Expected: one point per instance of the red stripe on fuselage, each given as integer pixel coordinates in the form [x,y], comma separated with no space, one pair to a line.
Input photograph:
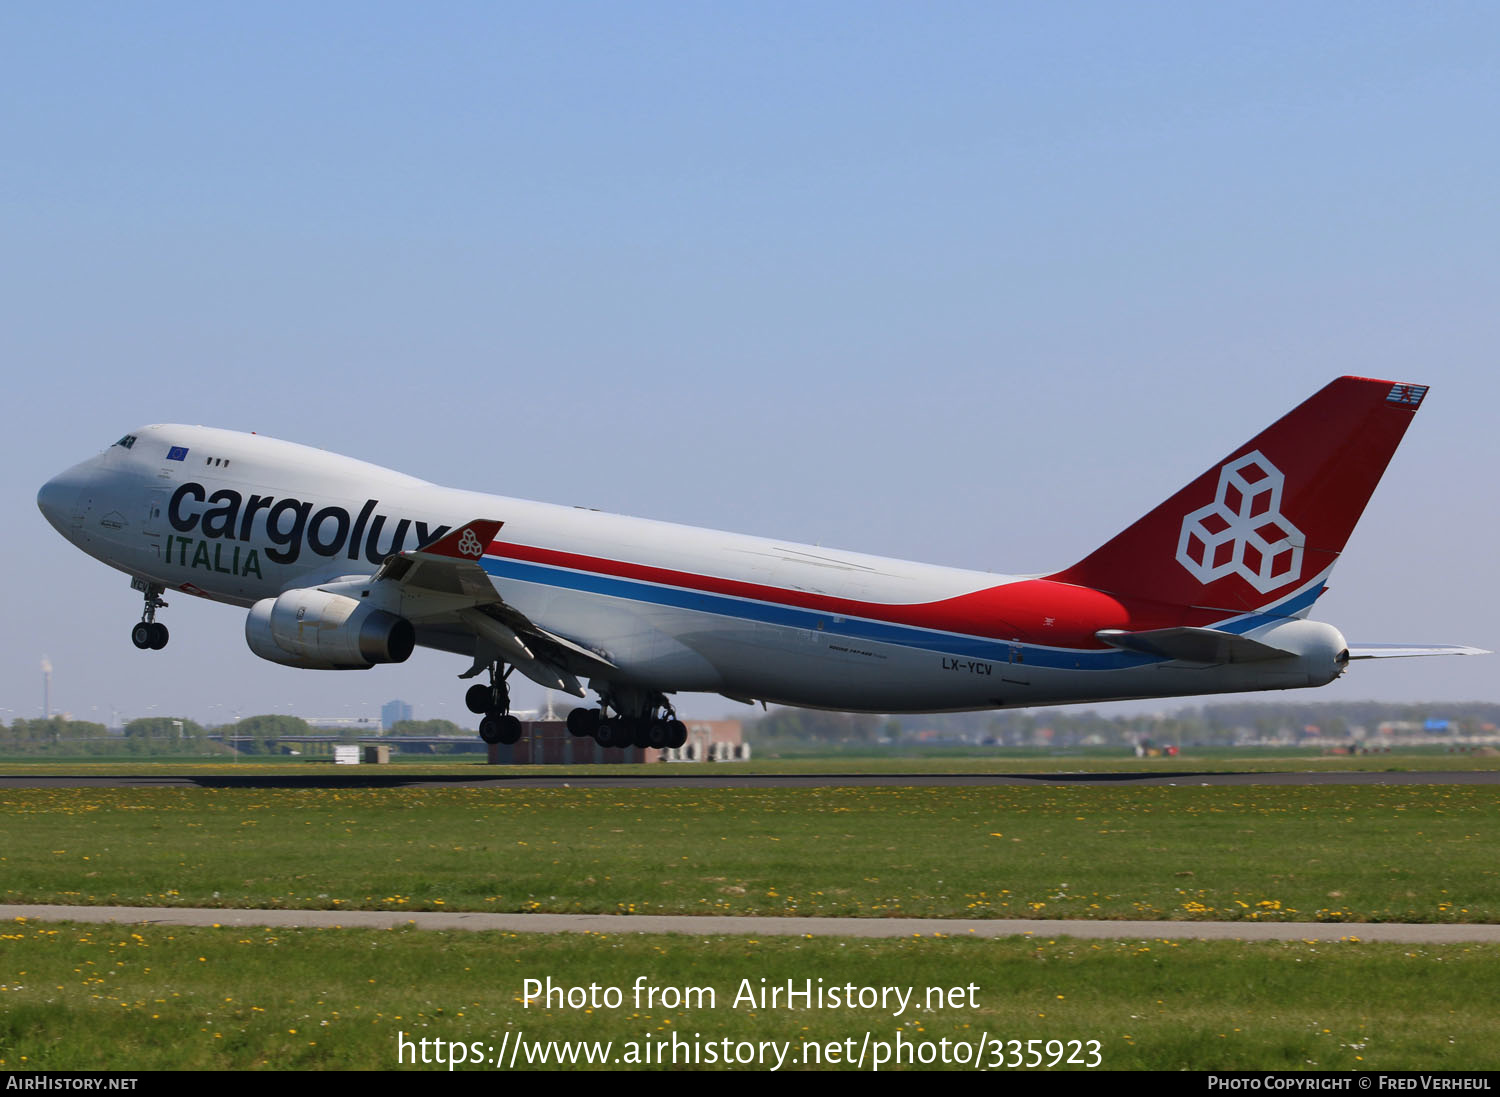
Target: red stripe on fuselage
[1033,611]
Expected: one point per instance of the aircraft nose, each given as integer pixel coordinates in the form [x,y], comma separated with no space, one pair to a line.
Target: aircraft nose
[56,500]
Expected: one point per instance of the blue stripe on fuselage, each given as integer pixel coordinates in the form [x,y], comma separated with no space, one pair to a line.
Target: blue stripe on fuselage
[852,628]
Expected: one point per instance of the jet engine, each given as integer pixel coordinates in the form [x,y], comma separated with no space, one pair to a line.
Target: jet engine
[321,631]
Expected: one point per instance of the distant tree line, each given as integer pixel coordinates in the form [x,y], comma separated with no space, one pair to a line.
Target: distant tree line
[1218,723]
[1222,723]
[42,736]
[148,735]
[177,735]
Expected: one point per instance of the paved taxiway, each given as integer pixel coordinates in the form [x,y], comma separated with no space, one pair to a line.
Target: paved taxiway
[674,779]
[708,926]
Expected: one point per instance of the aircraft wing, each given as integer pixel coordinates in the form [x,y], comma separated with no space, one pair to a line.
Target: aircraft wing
[444,582]
[1399,651]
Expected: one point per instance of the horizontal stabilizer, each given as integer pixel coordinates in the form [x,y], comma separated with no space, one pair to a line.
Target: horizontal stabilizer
[1401,651]
[1193,645]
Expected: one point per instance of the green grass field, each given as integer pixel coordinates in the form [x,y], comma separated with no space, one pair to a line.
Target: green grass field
[1419,853]
[78,997]
[121,998]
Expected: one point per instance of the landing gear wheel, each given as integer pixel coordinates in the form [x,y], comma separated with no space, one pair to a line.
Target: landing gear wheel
[656,735]
[583,721]
[159,635]
[140,635]
[607,734]
[501,728]
[510,730]
[642,734]
[676,734]
[490,730]
[477,699]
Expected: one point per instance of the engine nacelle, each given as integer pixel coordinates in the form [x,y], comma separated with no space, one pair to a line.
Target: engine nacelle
[321,631]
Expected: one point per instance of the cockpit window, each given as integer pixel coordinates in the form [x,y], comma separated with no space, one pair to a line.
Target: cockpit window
[127,441]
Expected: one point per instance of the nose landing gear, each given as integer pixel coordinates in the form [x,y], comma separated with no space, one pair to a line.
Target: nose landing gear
[148,633]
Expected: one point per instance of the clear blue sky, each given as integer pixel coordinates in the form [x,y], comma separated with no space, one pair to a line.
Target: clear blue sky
[968,283]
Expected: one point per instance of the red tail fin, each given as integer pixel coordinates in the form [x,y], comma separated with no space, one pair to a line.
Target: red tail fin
[1271,517]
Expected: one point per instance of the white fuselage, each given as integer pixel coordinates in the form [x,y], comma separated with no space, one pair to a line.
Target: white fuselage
[241,517]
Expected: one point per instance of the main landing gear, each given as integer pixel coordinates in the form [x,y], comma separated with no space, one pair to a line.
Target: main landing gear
[148,633]
[627,716]
[493,700]
[641,718]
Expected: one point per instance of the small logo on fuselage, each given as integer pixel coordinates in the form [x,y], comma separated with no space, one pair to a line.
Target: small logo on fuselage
[1243,532]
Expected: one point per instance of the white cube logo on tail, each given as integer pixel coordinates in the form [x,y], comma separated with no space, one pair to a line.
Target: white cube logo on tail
[469,545]
[1243,532]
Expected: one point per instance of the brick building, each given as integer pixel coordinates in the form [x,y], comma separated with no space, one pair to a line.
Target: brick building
[548,742]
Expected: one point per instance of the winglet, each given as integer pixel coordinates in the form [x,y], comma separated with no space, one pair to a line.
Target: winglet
[468,541]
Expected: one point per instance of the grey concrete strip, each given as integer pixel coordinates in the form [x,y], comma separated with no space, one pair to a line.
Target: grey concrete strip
[707,926]
[658,778]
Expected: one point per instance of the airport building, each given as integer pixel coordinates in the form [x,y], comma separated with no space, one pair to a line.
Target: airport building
[548,742]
